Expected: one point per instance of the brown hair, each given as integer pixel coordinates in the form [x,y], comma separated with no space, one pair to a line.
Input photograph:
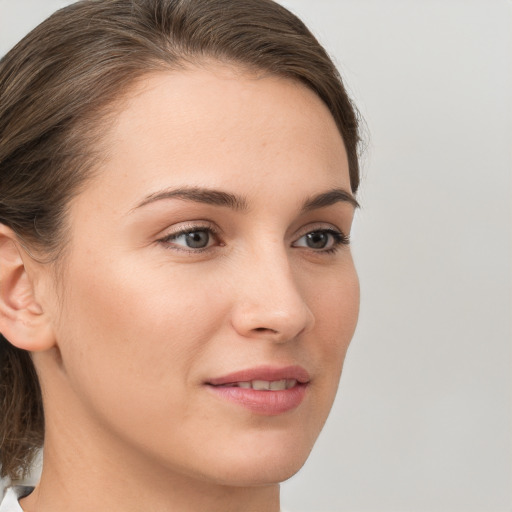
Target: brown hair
[56,87]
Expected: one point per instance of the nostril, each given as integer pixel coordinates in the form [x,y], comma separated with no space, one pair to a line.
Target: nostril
[265,329]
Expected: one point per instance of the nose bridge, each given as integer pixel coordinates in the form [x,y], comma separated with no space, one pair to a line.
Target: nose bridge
[270,302]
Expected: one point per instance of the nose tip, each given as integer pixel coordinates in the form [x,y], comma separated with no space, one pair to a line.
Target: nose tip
[274,311]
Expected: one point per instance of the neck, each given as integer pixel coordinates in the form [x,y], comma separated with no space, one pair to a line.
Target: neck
[79,481]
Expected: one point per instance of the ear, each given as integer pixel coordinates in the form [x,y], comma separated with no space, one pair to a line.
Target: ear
[22,319]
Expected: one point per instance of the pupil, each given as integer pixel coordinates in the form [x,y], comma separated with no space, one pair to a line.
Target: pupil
[197,239]
[317,240]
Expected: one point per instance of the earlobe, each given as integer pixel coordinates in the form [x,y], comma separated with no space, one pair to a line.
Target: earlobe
[22,319]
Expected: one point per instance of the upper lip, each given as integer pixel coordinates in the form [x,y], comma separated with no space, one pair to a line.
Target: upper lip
[267,373]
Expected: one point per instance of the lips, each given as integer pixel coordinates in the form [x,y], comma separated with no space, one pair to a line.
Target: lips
[266,391]
[263,373]
[264,385]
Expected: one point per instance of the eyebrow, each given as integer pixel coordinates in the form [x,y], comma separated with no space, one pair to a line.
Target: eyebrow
[199,195]
[337,195]
[239,203]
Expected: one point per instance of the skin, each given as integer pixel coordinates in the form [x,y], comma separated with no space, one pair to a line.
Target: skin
[138,322]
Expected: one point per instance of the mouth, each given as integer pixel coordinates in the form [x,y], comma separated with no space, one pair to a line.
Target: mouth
[263,385]
[267,391]
[264,378]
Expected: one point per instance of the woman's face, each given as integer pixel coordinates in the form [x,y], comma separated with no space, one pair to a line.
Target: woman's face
[208,259]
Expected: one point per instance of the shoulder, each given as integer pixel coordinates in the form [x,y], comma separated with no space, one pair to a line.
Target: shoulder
[11,495]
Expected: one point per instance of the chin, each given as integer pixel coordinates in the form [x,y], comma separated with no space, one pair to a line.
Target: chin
[269,473]
[261,463]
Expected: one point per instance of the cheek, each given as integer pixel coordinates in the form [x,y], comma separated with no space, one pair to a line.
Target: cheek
[126,335]
[336,313]
[335,306]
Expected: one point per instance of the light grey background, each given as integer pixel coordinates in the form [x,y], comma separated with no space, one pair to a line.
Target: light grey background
[424,414]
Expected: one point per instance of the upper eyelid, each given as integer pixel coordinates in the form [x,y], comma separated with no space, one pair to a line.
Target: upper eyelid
[190,226]
[167,239]
[185,231]
[187,227]
[333,232]
[318,226]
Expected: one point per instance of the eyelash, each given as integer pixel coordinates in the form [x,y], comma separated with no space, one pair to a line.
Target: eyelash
[339,239]
[166,240]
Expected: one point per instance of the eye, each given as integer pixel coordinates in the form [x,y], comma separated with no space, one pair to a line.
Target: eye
[190,239]
[325,240]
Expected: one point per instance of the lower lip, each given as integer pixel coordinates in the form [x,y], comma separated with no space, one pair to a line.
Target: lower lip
[267,403]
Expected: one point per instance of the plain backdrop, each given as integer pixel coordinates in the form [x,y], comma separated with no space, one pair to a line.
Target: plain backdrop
[423,418]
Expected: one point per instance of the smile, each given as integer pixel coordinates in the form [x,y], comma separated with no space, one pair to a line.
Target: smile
[264,385]
[266,391]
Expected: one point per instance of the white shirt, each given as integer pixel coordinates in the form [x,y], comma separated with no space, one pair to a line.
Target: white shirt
[12,494]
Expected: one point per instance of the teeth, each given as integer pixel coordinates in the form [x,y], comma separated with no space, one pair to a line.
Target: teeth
[266,385]
[291,383]
[261,385]
[278,385]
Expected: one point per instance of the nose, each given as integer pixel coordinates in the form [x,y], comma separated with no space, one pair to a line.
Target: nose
[269,302]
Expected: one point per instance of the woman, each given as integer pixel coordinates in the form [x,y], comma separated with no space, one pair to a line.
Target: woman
[177,290]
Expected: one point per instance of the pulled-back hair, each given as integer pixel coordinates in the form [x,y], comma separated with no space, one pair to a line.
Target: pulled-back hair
[57,89]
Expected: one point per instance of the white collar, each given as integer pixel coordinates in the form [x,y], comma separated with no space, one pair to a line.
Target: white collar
[12,494]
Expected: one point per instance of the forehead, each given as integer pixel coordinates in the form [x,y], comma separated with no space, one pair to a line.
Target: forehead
[223,127]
